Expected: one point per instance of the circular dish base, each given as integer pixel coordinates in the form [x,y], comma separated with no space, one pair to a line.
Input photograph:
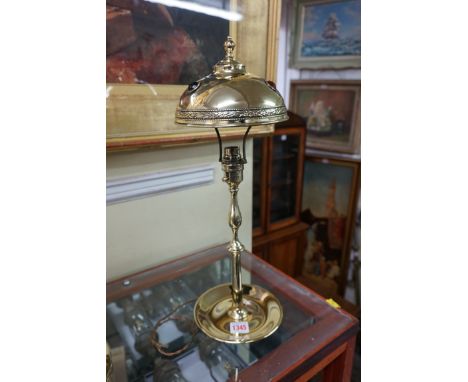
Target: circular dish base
[213,314]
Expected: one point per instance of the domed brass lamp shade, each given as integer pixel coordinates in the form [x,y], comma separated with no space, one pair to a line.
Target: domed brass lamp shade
[231,97]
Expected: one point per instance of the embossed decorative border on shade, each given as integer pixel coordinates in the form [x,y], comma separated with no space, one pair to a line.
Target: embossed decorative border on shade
[232,117]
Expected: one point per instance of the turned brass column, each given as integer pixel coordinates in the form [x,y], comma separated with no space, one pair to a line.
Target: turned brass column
[233,167]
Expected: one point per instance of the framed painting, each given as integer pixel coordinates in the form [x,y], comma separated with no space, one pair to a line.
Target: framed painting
[154,49]
[331,110]
[328,206]
[327,34]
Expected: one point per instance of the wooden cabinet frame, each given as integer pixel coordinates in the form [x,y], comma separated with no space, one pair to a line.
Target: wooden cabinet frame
[269,236]
[266,173]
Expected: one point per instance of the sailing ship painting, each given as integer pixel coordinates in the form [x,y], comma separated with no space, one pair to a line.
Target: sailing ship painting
[331,29]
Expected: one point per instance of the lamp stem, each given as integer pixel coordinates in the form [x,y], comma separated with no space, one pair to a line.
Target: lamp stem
[235,247]
[233,167]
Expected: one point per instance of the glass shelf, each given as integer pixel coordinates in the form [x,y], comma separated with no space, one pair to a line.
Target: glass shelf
[257,181]
[284,176]
[131,319]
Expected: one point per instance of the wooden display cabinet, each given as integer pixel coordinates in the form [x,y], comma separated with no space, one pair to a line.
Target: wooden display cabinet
[315,340]
[278,233]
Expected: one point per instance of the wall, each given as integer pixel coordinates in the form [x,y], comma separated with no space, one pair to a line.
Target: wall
[152,230]
[286,74]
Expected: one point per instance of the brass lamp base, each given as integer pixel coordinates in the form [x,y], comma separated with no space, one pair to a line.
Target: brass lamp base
[257,317]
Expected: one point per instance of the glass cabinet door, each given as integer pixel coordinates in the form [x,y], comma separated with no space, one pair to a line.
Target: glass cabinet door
[284,175]
[259,166]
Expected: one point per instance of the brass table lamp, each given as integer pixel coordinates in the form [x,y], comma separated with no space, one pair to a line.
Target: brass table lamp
[231,97]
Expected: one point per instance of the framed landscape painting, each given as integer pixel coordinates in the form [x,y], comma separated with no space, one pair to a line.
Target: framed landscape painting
[327,34]
[331,110]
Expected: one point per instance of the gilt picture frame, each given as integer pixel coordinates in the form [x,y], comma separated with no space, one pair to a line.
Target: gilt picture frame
[326,34]
[142,115]
[331,111]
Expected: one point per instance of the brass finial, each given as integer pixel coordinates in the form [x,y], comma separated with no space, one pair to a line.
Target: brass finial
[229,46]
[228,66]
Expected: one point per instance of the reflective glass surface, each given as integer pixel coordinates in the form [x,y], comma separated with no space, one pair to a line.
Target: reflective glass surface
[284,176]
[131,319]
[257,181]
